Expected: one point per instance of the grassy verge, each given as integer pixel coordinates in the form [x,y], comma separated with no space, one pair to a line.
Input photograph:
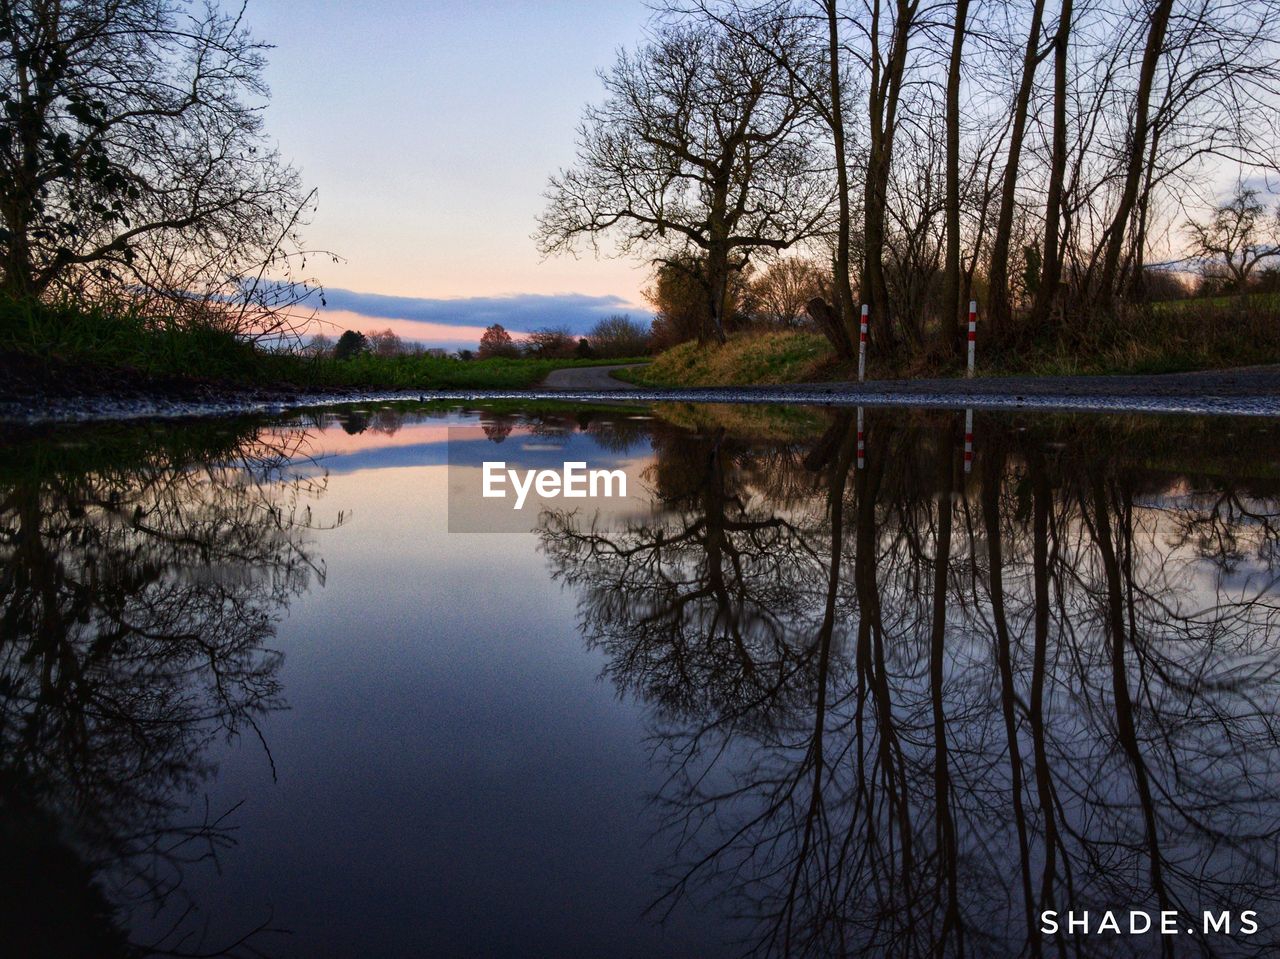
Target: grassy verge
[98,342]
[1171,337]
[1163,338]
[753,358]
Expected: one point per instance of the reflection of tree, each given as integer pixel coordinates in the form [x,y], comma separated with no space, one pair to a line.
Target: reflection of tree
[497,426]
[138,590]
[908,713]
[707,603]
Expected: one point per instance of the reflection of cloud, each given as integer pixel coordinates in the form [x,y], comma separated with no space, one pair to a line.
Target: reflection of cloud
[461,321]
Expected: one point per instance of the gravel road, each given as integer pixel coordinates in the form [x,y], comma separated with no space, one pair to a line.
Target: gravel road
[1250,391]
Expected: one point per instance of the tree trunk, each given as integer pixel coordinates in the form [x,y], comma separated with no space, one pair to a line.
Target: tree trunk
[951,305]
[998,309]
[884,94]
[844,290]
[1136,280]
[1051,261]
[19,273]
[717,288]
[1137,152]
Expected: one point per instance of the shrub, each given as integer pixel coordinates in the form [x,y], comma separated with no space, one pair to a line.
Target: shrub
[551,342]
[619,335]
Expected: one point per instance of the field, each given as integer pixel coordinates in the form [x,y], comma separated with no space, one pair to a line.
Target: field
[99,343]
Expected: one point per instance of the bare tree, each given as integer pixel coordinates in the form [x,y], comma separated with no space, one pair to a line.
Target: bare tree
[1158,24]
[1051,258]
[551,341]
[888,72]
[998,308]
[619,335]
[386,343]
[132,158]
[702,144]
[781,292]
[1237,238]
[951,292]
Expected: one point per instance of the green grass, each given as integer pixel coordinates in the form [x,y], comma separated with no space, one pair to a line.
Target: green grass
[1171,337]
[746,359]
[1168,337]
[1269,302]
[418,372]
[68,333]
[62,334]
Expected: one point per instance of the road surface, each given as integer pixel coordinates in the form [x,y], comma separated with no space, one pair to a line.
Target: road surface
[597,379]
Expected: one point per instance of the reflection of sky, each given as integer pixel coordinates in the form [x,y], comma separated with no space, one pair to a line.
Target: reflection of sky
[454,777]
[335,451]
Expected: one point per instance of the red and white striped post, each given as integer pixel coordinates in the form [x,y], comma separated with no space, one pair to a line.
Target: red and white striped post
[862,443]
[973,332]
[968,438]
[862,344]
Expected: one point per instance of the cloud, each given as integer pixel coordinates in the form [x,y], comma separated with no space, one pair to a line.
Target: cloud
[333,322]
[519,313]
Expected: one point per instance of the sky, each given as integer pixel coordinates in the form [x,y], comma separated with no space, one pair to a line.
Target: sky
[429,130]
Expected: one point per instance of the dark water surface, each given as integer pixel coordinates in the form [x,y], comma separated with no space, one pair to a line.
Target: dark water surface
[794,695]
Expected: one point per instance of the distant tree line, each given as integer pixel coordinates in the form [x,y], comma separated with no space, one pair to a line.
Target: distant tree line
[611,337]
[614,336]
[1061,163]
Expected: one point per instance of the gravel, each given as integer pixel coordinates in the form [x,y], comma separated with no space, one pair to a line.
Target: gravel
[1253,391]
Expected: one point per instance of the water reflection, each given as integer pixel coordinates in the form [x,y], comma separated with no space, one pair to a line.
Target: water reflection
[142,573]
[906,709]
[901,702]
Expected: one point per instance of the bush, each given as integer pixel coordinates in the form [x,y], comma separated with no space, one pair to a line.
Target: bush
[551,342]
[617,336]
[350,344]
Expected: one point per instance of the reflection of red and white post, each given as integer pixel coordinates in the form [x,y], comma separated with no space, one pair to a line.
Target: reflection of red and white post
[973,332]
[862,443]
[862,344]
[968,437]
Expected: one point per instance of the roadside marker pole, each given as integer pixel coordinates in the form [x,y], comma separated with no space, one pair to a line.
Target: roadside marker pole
[968,434]
[973,332]
[862,443]
[862,344]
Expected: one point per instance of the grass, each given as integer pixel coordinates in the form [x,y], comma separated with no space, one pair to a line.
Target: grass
[1162,338]
[746,359]
[93,345]
[1171,337]
[1252,301]
[65,335]
[420,372]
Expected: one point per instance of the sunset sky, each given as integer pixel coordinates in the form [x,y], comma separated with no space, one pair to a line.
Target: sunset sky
[430,130]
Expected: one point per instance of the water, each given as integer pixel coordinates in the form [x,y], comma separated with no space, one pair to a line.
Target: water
[788,696]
